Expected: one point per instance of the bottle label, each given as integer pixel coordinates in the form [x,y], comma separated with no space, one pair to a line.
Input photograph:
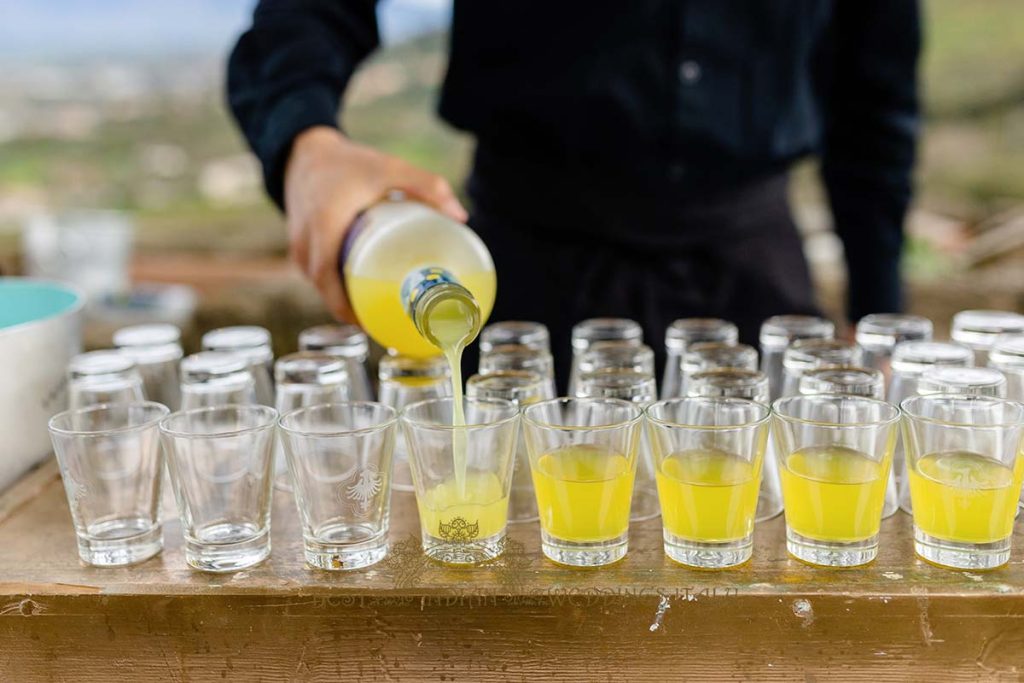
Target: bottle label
[419,282]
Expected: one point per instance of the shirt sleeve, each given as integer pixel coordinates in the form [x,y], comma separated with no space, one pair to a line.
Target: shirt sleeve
[870,132]
[287,73]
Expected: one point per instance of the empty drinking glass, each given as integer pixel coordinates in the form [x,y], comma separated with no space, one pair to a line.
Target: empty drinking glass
[518,332]
[214,378]
[777,333]
[687,331]
[220,462]
[344,341]
[965,470]
[879,333]
[339,455]
[753,386]
[807,354]
[519,358]
[710,355]
[978,330]
[156,351]
[971,381]
[462,475]
[103,377]
[594,330]
[617,355]
[303,379]
[252,343]
[404,381]
[583,454]
[523,389]
[834,455]
[708,453]
[109,457]
[1007,356]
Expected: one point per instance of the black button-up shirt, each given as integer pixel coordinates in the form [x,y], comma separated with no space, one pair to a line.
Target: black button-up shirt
[660,99]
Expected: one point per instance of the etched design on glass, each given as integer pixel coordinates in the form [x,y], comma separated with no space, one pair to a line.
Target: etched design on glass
[458,530]
[367,485]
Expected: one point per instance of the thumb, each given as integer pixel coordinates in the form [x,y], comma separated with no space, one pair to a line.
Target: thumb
[432,189]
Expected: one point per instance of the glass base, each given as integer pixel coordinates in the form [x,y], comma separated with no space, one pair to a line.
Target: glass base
[522,505]
[708,555]
[120,542]
[590,554]
[463,553]
[645,504]
[768,507]
[960,555]
[831,554]
[227,547]
[342,547]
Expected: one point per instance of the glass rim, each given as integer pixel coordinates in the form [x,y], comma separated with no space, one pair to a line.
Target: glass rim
[589,399]
[970,398]
[896,413]
[420,424]
[767,412]
[380,426]
[51,425]
[271,413]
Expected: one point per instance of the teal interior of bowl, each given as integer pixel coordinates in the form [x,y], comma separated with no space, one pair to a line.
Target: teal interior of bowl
[24,301]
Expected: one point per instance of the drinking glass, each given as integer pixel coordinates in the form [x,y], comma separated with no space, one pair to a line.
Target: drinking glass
[156,352]
[404,381]
[253,344]
[807,354]
[1007,356]
[710,355]
[709,453]
[617,355]
[909,361]
[303,379]
[777,333]
[519,358]
[753,386]
[109,457]
[953,380]
[834,455]
[103,377]
[583,454]
[349,343]
[687,331]
[879,333]
[523,389]
[220,462]
[339,455]
[965,472]
[978,330]
[462,475]
[532,335]
[638,388]
[215,378]
[594,330]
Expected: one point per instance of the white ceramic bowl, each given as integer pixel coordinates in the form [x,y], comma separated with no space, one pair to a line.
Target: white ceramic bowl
[40,330]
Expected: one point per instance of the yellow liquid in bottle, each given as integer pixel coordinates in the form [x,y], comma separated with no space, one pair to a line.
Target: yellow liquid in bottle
[583,493]
[382,314]
[965,497]
[478,513]
[708,495]
[833,493]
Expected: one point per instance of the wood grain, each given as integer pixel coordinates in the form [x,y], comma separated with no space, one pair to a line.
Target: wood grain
[520,618]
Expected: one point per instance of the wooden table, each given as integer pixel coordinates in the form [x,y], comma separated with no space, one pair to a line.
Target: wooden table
[523,618]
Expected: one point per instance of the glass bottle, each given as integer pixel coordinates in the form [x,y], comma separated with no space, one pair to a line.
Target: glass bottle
[349,343]
[690,331]
[156,351]
[778,332]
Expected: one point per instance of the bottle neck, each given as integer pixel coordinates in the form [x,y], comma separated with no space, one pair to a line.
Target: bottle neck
[443,311]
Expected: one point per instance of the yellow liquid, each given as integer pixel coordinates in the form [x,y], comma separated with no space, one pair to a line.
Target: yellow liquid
[583,493]
[708,495]
[483,510]
[833,493]
[380,311]
[965,497]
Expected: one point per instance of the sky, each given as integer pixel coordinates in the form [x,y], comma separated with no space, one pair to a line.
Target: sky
[37,29]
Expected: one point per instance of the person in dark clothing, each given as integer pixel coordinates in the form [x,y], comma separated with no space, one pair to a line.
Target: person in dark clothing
[631,158]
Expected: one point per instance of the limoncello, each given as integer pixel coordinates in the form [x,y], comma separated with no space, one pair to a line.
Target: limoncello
[583,493]
[965,497]
[480,512]
[400,246]
[708,495]
[833,493]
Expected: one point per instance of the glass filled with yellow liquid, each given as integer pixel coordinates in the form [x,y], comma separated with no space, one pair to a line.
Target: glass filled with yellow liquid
[583,454]
[709,454]
[462,475]
[834,455]
[965,470]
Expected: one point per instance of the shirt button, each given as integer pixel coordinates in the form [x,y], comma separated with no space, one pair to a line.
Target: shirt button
[689,72]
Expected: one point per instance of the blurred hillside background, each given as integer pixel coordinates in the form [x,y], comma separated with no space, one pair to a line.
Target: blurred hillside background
[119,104]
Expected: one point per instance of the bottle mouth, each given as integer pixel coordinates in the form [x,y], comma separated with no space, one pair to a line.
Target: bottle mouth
[448,316]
